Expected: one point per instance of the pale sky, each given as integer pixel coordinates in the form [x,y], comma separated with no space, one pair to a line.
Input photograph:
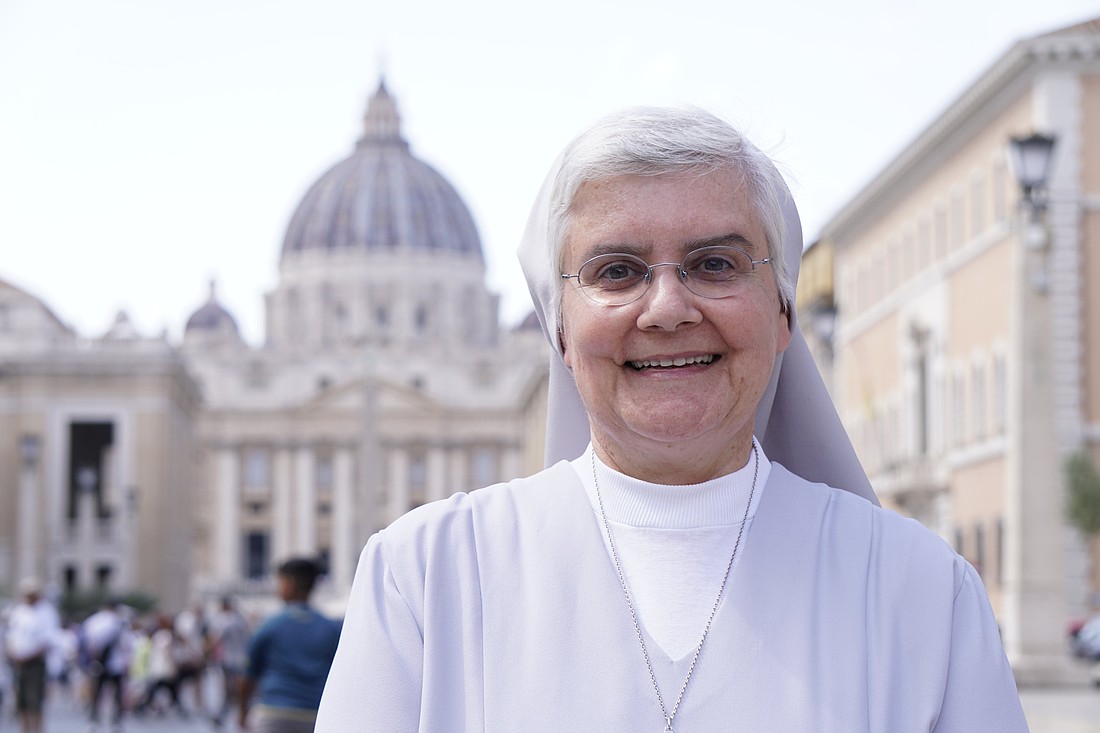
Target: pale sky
[149,146]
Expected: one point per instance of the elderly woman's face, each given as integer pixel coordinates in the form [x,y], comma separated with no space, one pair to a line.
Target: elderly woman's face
[726,346]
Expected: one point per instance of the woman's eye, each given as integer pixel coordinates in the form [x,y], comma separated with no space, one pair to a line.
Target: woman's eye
[716,264]
[617,271]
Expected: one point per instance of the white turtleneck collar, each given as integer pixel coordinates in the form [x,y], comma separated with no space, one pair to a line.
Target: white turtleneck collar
[633,502]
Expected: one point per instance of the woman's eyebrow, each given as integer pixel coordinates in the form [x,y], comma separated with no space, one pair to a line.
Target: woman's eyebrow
[733,239]
[607,248]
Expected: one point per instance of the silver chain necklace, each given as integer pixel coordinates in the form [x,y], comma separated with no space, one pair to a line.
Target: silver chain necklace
[669,717]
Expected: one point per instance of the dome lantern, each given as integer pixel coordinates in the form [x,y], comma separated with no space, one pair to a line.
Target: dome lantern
[381,123]
[382,199]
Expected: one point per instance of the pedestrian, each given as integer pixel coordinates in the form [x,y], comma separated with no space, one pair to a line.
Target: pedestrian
[228,640]
[289,657]
[162,669]
[190,648]
[704,551]
[109,642]
[32,628]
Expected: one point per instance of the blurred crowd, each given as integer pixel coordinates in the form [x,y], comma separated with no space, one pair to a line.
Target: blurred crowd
[119,662]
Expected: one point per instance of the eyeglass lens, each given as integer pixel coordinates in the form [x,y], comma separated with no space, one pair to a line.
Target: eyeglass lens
[710,272]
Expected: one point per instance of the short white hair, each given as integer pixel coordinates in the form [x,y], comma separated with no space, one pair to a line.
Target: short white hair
[655,141]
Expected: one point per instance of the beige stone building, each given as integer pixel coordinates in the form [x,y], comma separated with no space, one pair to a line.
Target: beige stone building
[967,335]
[97,456]
[385,381]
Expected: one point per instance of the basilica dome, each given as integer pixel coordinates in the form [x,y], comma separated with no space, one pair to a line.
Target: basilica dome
[382,199]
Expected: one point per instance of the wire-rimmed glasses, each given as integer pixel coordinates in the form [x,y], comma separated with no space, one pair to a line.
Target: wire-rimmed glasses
[709,272]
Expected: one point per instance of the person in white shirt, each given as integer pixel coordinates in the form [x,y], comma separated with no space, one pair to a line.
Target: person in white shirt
[32,627]
[704,551]
[109,643]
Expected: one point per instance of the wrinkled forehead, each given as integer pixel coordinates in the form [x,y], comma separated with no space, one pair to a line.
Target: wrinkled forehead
[667,215]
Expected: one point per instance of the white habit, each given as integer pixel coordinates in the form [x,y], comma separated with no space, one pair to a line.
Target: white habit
[500,610]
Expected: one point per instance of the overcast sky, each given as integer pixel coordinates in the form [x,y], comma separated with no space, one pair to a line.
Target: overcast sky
[149,146]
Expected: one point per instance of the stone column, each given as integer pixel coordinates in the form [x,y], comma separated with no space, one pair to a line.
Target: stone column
[437,474]
[1034,571]
[344,552]
[281,507]
[305,503]
[397,489]
[459,478]
[227,516]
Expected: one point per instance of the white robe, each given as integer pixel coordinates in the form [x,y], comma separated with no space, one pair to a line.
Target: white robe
[500,610]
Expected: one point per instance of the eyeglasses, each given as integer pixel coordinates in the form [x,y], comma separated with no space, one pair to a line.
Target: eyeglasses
[709,272]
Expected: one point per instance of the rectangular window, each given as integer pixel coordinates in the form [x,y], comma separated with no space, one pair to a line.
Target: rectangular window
[924,243]
[878,274]
[256,555]
[90,487]
[103,578]
[893,266]
[977,204]
[323,470]
[1000,395]
[418,479]
[939,235]
[958,409]
[977,394]
[418,471]
[958,222]
[908,255]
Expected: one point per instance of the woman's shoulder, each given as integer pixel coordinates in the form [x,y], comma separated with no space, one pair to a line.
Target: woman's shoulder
[892,542]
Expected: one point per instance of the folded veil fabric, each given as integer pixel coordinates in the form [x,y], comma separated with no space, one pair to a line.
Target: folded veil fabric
[796,421]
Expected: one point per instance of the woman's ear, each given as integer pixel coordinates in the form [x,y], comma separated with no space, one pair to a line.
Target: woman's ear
[564,351]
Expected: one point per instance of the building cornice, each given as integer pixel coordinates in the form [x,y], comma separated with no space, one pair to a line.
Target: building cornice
[1007,77]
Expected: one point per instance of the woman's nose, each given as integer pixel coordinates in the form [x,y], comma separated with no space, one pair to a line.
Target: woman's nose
[667,303]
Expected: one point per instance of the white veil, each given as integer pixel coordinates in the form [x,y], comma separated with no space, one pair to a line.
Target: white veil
[796,422]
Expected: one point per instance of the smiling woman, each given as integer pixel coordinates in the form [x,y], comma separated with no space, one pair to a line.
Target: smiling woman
[677,424]
[685,562]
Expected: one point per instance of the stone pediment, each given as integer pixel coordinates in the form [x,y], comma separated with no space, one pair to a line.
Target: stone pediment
[389,397]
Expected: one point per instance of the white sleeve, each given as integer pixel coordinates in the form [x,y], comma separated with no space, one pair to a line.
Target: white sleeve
[374,683]
[981,693]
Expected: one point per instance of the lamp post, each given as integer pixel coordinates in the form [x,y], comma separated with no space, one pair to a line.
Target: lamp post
[1034,602]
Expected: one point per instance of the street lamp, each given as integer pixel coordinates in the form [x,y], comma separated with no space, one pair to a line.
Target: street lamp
[1031,157]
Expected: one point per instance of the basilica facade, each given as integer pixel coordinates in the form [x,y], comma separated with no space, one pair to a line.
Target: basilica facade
[188,470]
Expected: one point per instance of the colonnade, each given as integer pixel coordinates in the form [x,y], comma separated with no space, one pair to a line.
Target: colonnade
[409,476]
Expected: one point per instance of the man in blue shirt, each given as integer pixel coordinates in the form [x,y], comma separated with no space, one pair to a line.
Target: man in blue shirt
[289,657]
